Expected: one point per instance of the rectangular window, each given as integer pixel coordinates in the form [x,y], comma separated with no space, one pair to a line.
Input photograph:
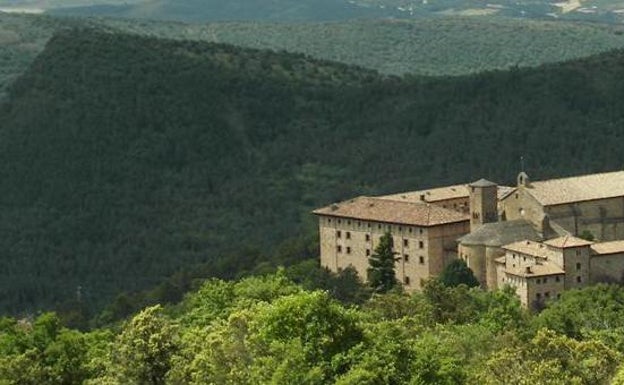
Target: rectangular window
[578,279]
[538,295]
[421,260]
[421,244]
[578,266]
[558,279]
[547,294]
[545,280]
[367,237]
[407,280]
[538,281]
[406,258]
[420,231]
[338,233]
[405,242]
[348,250]
[348,235]
[339,249]
[367,252]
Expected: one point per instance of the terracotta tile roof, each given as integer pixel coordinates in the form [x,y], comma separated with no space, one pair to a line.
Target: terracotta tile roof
[389,211]
[536,249]
[438,194]
[604,248]
[578,188]
[431,195]
[537,270]
[567,241]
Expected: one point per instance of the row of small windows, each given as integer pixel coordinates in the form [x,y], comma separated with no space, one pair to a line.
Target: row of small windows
[367,237]
[545,280]
[379,226]
[347,249]
[406,257]
[538,296]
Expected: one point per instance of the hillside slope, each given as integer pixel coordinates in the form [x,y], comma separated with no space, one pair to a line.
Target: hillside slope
[439,46]
[125,158]
[435,46]
[217,10]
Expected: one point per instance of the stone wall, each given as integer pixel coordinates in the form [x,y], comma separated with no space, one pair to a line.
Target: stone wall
[421,251]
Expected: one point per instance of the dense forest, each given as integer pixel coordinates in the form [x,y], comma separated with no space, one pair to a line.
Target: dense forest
[433,46]
[282,329]
[125,159]
[436,46]
[609,11]
[216,10]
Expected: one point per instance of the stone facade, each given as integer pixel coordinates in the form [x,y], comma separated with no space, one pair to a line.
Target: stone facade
[540,271]
[424,243]
[486,225]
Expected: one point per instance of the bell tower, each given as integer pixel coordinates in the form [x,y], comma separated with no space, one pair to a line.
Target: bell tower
[483,199]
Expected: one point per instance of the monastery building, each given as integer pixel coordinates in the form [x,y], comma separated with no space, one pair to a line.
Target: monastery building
[527,236]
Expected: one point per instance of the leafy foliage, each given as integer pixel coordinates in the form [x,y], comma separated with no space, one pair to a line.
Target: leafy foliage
[266,329]
[381,275]
[457,273]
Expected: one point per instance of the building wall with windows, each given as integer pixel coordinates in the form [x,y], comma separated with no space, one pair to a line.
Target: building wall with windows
[477,222]
[422,248]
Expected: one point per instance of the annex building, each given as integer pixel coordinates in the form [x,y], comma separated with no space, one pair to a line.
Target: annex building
[527,236]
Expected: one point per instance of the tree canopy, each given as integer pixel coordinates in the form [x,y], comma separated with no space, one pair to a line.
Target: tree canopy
[458,273]
[268,330]
[381,273]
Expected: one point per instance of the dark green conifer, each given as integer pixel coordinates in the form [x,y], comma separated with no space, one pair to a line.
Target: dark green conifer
[381,271]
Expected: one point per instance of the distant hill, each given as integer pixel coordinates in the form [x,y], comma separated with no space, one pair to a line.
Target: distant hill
[439,46]
[125,158]
[435,46]
[219,10]
[610,11]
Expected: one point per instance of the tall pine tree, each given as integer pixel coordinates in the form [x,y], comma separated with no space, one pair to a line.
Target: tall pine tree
[381,271]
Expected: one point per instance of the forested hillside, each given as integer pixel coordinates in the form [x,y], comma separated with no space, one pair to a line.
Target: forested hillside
[269,330]
[438,46]
[217,10]
[125,159]
[434,46]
